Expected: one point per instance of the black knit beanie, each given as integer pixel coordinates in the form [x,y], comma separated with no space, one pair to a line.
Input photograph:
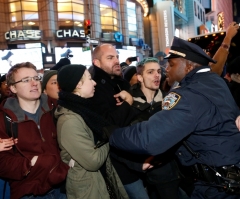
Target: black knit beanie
[129,72]
[69,76]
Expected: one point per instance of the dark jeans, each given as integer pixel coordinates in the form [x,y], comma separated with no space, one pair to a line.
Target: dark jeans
[136,190]
[53,194]
[4,190]
[169,190]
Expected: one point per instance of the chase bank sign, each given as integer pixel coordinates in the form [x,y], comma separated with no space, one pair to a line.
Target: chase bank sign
[23,35]
[112,36]
[61,34]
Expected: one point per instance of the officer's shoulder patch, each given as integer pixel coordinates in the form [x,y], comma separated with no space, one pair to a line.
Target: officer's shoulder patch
[170,100]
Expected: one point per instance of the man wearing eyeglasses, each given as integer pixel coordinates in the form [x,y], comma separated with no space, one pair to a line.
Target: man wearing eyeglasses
[33,166]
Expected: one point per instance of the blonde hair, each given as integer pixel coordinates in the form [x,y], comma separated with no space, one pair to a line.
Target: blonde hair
[81,80]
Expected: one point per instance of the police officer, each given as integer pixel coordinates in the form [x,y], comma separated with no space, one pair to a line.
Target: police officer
[200,116]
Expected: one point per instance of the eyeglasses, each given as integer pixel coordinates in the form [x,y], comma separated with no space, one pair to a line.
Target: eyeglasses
[28,79]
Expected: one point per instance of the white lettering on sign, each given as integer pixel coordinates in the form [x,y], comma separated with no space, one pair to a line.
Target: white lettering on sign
[70,33]
[166,27]
[94,41]
[23,35]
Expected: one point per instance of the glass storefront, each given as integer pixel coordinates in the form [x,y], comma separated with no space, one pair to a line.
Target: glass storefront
[109,15]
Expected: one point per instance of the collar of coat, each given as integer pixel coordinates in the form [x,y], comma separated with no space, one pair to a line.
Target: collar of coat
[100,76]
[138,95]
[12,108]
[194,71]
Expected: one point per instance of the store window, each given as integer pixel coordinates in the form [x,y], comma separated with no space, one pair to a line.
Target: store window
[23,15]
[109,15]
[132,19]
[70,14]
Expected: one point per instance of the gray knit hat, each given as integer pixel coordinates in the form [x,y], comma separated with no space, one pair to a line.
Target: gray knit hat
[46,76]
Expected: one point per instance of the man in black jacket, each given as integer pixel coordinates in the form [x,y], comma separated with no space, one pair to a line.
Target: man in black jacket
[163,179]
[114,104]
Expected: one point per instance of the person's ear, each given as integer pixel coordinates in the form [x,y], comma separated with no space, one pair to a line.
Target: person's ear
[96,62]
[13,89]
[140,78]
[44,91]
[79,85]
[189,66]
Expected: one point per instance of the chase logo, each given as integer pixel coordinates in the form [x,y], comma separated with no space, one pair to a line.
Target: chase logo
[170,101]
[118,37]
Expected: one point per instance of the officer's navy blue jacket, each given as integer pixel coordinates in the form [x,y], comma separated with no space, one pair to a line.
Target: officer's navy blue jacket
[200,111]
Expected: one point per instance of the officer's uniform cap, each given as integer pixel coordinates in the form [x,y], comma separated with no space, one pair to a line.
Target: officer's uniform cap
[187,50]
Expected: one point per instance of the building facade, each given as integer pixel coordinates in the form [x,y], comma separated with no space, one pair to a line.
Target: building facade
[219,14]
[60,24]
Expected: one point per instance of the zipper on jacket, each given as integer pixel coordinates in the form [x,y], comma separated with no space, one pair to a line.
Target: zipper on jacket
[41,133]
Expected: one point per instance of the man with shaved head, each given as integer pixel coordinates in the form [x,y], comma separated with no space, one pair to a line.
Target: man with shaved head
[113,102]
[106,58]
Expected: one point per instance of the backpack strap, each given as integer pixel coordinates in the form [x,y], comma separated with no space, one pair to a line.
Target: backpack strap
[10,127]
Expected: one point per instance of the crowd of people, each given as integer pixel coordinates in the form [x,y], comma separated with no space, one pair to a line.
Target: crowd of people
[115,132]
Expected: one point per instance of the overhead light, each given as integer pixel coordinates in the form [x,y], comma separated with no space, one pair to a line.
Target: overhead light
[31,23]
[67,21]
[214,35]
[144,5]
[80,25]
[77,22]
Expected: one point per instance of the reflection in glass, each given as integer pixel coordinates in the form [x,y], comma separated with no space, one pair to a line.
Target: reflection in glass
[20,15]
[63,7]
[132,19]
[26,5]
[14,6]
[30,15]
[16,16]
[64,16]
[70,14]
[109,15]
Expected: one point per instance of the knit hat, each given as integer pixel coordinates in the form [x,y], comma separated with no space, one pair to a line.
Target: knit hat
[3,78]
[69,76]
[46,76]
[129,72]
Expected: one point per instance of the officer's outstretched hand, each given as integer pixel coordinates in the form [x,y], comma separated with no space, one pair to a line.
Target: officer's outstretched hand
[147,163]
[238,122]
[123,96]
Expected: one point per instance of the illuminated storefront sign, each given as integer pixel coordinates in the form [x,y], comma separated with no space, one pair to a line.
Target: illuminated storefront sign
[112,36]
[165,18]
[220,22]
[165,21]
[61,34]
[23,35]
